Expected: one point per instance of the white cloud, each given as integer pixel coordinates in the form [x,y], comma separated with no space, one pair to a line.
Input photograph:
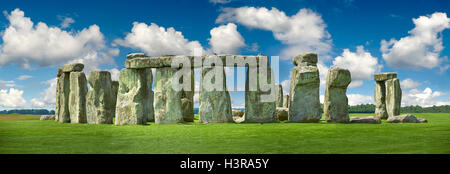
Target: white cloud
[220,1]
[66,22]
[361,64]
[286,85]
[12,98]
[409,83]
[47,97]
[356,99]
[23,77]
[115,74]
[302,32]
[421,49]
[423,98]
[7,84]
[156,40]
[225,39]
[26,44]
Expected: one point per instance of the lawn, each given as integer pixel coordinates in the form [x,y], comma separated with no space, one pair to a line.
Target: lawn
[28,134]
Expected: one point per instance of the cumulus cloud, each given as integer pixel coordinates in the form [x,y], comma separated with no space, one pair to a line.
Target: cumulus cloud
[225,39]
[302,32]
[12,98]
[356,99]
[425,98]
[409,83]
[156,40]
[66,21]
[422,48]
[47,98]
[361,64]
[25,44]
[23,77]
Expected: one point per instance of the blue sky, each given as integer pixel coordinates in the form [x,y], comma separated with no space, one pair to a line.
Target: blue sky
[347,33]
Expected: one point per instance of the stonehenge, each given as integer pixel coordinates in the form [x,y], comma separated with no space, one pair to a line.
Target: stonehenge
[167,96]
[336,103]
[304,103]
[387,95]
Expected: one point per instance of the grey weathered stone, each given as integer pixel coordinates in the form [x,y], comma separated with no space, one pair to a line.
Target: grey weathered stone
[137,55]
[393,97]
[422,120]
[407,118]
[47,117]
[365,119]
[286,101]
[282,114]
[114,89]
[99,98]
[279,102]
[239,119]
[150,95]
[237,113]
[64,92]
[384,76]
[304,105]
[74,67]
[380,100]
[336,102]
[307,59]
[77,97]
[215,105]
[131,97]
[187,101]
[257,110]
[167,101]
[58,93]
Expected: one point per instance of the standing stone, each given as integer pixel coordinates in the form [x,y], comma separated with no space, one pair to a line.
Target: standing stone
[215,105]
[99,98]
[286,101]
[336,102]
[58,93]
[149,99]
[167,101]
[131,97]
[187,101]
[279,102]
[255,109]
[77,97]
[380,100]
[304,105]
[114,89]
[393,97]
[64,91]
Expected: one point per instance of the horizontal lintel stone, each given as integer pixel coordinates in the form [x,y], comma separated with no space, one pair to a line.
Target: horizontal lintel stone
[384,76]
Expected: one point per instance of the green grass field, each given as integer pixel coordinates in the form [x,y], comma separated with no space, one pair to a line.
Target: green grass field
[27,134]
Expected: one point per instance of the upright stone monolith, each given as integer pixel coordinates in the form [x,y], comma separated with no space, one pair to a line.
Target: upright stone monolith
[286,101]
[64,92]
[77,97]
[167,101]
[393,97]
[380,100]
[304,105]
[114,89]
[336,101]
[58,93]
[99,98]
[256,109]
[150,95]
[131,97]
[187,101]
[279,102]
[215,104]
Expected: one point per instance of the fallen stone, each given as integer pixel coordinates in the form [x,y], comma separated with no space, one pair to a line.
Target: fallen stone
[380,100]
[307,59]
[99,98]
[393,97]
[215,105]
[74,67]
[77,97]
[279,102]
[304,105]
[384,76]
[239,119]
[365,119]
[47,117]
[167,101]
[336,101]
[286,101]
[407,118]
[422,120]
[237,113]
[131,97]
[282,114]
